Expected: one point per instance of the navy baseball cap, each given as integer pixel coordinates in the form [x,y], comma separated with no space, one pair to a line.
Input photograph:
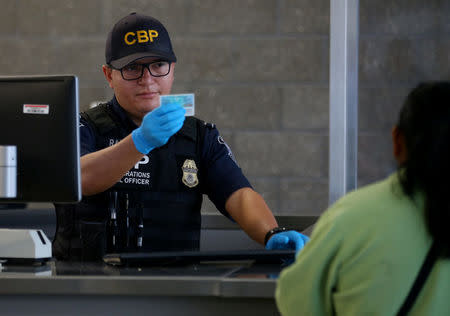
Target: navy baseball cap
[137,36]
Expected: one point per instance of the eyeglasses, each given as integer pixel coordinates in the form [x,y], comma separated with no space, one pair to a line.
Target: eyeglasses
[136,71]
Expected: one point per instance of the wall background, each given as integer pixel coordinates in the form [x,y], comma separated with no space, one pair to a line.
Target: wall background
[259,69]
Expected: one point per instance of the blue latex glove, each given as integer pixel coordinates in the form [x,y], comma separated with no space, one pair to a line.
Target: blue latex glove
[158,126]
[290,239]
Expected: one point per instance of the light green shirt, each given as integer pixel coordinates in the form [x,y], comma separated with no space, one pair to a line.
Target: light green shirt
[363,257]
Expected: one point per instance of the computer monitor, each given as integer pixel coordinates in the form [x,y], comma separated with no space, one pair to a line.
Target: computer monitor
[39,115]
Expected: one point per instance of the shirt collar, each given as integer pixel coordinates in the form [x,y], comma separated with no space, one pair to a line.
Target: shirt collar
[122,115]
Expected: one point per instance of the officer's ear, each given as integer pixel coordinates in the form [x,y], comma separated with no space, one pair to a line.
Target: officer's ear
[172,69]
[107,71]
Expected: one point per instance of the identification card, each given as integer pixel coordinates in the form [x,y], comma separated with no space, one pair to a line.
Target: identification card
[186,100]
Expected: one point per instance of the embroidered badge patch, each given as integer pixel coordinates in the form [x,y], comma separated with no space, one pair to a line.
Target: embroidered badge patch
[190,170]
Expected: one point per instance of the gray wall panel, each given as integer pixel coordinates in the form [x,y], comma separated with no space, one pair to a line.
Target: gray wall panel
[260,72]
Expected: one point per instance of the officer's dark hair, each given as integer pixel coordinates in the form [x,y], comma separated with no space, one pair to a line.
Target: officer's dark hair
[425,123]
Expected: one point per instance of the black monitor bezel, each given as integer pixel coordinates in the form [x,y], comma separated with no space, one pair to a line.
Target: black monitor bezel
[70,86]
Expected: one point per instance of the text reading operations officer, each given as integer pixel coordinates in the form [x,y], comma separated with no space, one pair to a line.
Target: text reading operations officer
[145,168]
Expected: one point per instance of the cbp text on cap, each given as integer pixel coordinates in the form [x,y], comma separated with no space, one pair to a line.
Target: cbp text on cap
[141,36]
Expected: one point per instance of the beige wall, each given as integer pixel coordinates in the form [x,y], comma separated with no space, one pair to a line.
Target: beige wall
[259,69]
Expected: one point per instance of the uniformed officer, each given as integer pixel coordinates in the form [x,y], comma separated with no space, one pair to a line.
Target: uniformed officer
[145,168]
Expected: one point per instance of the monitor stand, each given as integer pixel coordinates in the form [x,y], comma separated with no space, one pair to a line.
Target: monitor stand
[24,246]
[18,245]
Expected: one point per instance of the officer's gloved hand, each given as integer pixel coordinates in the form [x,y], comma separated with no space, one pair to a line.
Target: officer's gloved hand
[289,239]
[158,126]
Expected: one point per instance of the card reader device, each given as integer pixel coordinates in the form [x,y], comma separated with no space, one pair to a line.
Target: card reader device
[24,245]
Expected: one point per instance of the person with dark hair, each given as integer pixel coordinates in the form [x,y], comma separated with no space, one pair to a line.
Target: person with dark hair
[146,167]
[384,249]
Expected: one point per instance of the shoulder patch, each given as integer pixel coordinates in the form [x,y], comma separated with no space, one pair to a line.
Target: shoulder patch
[221,141]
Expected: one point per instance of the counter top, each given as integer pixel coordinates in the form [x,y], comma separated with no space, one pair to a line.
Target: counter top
[235,279]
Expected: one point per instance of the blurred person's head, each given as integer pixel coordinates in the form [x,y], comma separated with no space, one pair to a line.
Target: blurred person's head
[422,148]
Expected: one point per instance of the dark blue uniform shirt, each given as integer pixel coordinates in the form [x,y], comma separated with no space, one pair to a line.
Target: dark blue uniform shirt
[221,174]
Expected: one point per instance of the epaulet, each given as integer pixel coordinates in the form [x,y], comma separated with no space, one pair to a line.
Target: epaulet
[100,118]
[209,125]
[192,126]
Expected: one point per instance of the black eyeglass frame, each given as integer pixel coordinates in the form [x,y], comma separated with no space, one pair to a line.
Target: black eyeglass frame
[145,66]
